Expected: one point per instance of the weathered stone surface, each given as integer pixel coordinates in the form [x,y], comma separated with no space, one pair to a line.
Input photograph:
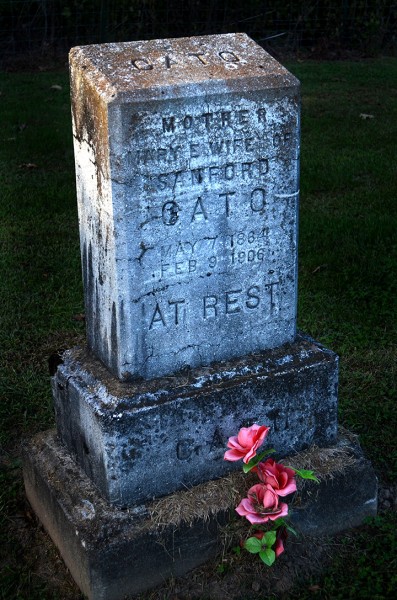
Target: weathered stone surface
[343,500]
[187,176]
[177,427]
[110,553]
[113,554]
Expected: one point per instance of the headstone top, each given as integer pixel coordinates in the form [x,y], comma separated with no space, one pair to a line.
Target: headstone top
[166,68]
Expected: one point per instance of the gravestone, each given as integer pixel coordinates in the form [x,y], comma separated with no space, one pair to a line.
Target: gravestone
[187,155]
[187,168]
[187,161]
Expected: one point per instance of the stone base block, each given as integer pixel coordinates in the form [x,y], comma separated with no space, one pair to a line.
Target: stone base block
[111,553]
[176,428]
[114,553]
[346,495]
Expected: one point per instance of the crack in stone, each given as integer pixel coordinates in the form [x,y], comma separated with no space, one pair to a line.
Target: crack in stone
[144,249]
[155,291]
[148,221]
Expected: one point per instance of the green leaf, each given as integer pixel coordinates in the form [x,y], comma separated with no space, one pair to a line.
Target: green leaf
[253,545]
[236,550]
[268,556]
[257,459]
[291,529]
[269,539]
[280,522]
[306,474]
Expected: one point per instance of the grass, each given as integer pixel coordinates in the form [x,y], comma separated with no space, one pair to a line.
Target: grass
[40,286]
[348,249]
[364,566]
[347,292]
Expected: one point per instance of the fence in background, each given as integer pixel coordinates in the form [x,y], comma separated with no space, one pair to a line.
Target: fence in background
[51,27]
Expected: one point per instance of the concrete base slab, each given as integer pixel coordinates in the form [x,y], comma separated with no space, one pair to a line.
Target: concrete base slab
[348,490]
[110,553]
[114,553]
[180,425]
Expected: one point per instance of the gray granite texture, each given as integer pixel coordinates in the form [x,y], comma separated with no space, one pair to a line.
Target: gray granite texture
[148,439]
[113,554]
[187,168]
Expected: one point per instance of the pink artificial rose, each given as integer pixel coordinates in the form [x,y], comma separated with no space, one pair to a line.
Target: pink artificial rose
[281,538]
[246,443]
[262,505]
[281,478]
